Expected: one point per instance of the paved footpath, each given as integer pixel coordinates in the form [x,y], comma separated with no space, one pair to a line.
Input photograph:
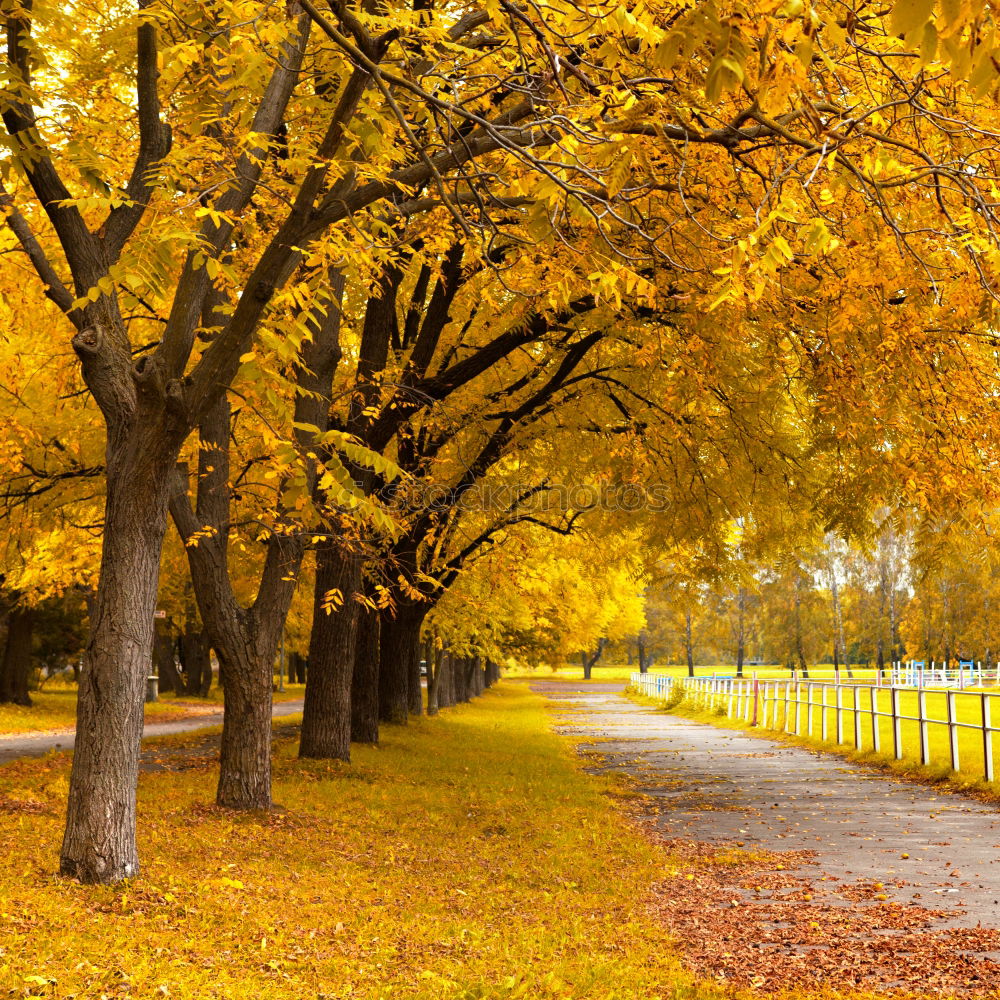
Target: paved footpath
[929,849]
[39,744]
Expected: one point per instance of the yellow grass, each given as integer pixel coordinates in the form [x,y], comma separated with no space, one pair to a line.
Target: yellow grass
[467,857]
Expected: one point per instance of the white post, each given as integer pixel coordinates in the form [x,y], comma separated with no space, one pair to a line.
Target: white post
[839,713]
[857,717]
[876,735]
[953,729]
[925,748]
[987,738]
[897,726]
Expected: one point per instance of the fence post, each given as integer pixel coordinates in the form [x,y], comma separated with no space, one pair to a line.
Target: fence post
[857,717]
[756,698]
[798,707]
[809,709]
[839,715]
[824,729]
[897,725]
[987,739]
[925,749]
[788,698]
[950,697]
[876,735]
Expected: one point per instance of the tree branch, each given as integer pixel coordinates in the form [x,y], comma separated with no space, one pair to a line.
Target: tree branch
[154,141]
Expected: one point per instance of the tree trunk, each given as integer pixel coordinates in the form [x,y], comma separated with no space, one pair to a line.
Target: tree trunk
[299,668]
[446,683]
[196,659]
[435,661]
[459,668]
[15,667]
[99,843]
[397,660]
[894,625]
[416,699]
[164,662]
[326,718]
[364,683]
[840,645]
[688,644]
[800,654]
[245,758]
[245,639]
[741,600]
[590,659]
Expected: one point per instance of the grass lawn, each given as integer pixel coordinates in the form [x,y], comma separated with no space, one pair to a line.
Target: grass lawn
[56,709]
[467,857]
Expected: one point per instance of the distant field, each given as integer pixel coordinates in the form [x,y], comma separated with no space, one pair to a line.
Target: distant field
[623,671]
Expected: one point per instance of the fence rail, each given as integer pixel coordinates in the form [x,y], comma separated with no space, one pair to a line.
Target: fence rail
[936,725]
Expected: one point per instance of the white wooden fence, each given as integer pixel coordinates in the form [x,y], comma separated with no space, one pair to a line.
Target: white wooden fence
[849,713]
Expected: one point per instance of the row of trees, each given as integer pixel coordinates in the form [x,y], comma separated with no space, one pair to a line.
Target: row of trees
[925,593]
[359,298]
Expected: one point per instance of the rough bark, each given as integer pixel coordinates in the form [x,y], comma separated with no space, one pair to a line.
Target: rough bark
[196,659]
[326,718]
[245,756]
[164,662]
[398,657]
[15,665]
[364,682]
[99,843]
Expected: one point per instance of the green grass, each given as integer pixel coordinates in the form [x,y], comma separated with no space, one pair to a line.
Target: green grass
[55,709]
[466,858]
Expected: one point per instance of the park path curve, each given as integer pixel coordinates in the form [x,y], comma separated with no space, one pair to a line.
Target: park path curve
[38,744]
[846,829]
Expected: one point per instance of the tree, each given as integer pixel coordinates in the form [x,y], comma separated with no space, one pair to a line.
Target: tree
[91,205]
[701,141]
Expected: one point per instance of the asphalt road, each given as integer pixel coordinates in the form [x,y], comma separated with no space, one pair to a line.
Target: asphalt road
[845,828]
[38,744]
